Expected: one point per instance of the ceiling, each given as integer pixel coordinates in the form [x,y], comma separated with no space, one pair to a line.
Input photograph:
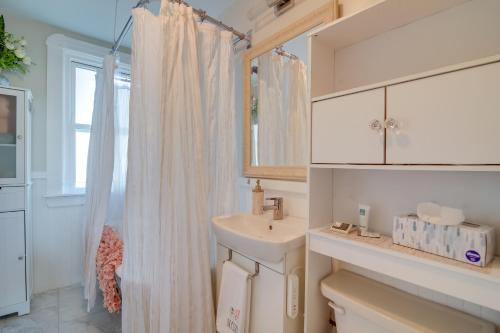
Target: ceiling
[94,18]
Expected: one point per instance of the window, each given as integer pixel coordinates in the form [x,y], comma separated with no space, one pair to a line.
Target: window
[83,85]
[72,67]
[83,89]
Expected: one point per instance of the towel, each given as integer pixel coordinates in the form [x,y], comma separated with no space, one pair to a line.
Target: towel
[233,310]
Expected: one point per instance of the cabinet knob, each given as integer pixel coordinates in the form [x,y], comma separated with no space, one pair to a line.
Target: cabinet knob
[19,137]
[20,258]
[376,125]
[391,123]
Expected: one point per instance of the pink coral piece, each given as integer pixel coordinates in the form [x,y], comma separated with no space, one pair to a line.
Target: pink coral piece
[109,257]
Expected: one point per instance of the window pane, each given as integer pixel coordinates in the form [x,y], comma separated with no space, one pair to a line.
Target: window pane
[84,95]
[81,151]
[8,106]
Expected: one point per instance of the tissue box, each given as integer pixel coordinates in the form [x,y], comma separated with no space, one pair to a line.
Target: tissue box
[467,242]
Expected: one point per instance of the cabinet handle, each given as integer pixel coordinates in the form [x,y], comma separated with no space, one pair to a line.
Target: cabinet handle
[376,125]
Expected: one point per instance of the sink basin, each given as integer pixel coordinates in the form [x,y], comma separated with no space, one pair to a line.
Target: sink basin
[260,236]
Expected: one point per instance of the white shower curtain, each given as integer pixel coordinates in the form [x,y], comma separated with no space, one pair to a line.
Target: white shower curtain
[100,164]
[179,121]
[282,111]
[296,105]
[271,113]
[216,63]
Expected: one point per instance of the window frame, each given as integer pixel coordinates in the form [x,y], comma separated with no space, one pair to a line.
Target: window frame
[63,56]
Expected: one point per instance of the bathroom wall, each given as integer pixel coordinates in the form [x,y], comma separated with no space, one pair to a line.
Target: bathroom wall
[57,228]
[397,192]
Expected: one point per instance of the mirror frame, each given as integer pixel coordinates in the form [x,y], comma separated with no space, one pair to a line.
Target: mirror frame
[321,15]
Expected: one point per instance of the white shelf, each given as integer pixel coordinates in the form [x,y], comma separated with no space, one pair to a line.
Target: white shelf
[480,285]
[413,77]
[381,17]
[13,145]
[408,167]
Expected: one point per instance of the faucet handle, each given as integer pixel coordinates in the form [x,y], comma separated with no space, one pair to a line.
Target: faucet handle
[277,207]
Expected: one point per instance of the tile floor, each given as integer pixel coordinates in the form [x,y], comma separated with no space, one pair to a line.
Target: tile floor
[62,311]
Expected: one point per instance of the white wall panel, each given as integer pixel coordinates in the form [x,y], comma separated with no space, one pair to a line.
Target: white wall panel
[57,242]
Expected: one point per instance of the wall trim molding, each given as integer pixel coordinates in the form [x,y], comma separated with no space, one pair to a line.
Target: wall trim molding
[64,200]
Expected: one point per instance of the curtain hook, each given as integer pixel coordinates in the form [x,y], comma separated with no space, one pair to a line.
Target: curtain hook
[203,15]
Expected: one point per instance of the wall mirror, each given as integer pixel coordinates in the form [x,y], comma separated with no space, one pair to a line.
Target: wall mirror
[277,103]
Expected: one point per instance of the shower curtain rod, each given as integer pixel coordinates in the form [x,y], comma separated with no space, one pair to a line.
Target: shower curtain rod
[281,51]
[201,13]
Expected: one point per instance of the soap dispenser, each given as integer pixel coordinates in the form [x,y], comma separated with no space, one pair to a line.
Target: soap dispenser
[258,199]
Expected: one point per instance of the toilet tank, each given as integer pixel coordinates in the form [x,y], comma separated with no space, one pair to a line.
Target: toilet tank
[364,305]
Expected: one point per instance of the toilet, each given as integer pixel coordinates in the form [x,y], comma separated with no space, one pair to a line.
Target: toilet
[363,305]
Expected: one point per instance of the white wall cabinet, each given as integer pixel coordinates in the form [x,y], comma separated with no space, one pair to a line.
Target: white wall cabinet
[447,117]
[15,201]
[349,129]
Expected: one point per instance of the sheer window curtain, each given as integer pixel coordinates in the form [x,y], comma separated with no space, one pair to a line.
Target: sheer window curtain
[106,167]
[181,164]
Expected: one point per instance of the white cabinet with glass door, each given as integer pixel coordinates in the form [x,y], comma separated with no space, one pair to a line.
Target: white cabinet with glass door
[12,131]
[15,226]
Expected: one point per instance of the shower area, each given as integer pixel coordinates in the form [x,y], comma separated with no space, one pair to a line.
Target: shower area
[158,172]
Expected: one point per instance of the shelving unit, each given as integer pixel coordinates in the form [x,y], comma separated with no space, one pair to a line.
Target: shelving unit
[326,252]
[337,186]
[381,17]
[471,283]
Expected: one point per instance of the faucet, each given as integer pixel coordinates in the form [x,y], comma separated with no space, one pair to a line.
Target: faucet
[276,207]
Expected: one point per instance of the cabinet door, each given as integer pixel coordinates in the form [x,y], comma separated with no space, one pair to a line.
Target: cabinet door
[342,131]
[451,118]
[12,259]
[11,136]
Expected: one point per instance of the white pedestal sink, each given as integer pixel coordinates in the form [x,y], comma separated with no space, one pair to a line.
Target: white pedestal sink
[260,236]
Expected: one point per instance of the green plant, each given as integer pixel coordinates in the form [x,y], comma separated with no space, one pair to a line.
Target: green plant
[13,56]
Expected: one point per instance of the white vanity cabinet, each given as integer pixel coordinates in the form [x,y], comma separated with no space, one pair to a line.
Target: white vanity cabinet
[268,312]
[15,202]
[349,129]
[444,117]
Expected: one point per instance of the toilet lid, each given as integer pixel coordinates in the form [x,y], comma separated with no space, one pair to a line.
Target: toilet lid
[396,310]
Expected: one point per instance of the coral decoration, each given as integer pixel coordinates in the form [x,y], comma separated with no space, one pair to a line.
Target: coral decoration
[109,257]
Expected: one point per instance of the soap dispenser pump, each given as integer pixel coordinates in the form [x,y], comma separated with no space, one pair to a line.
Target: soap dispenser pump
[258,199]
